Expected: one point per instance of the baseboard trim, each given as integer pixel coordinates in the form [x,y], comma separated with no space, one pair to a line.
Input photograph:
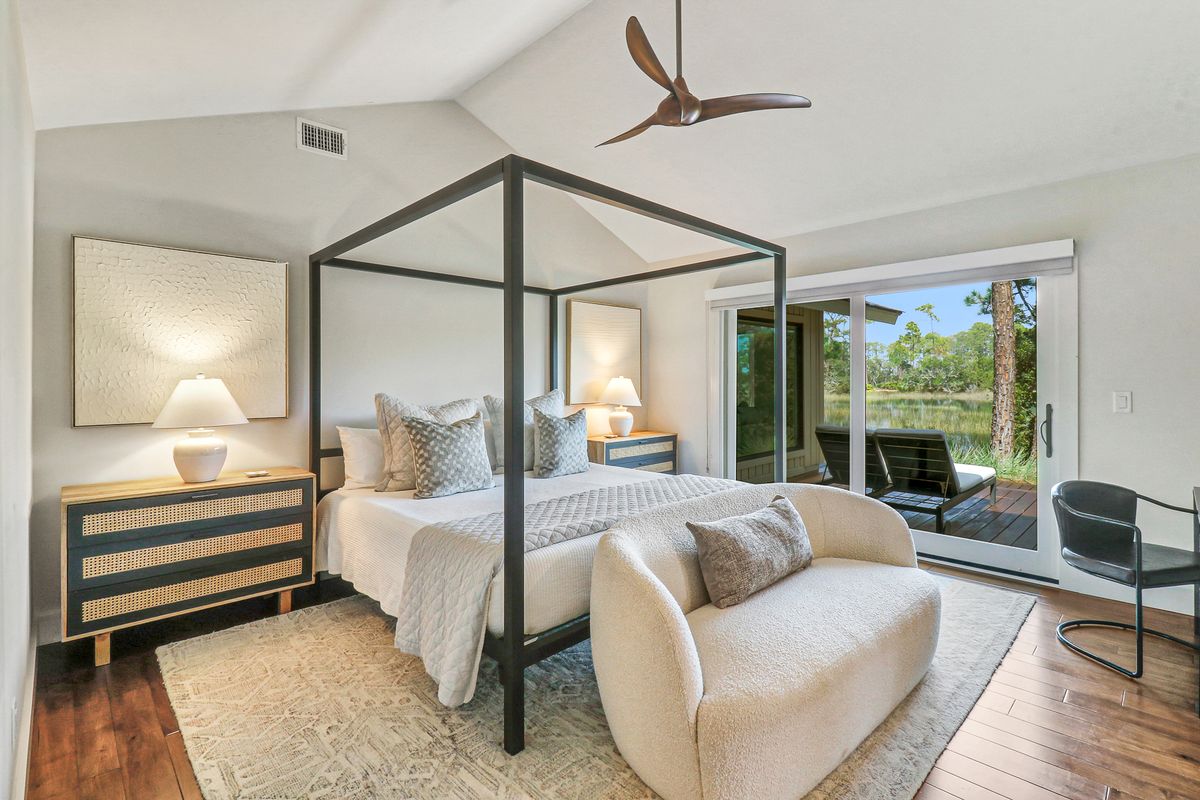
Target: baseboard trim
[986,570]
[20,773]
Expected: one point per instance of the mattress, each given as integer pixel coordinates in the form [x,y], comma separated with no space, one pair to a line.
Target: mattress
[364,536]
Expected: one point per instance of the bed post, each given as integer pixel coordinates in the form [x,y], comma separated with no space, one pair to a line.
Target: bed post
[780,367]
[314,369]
[552,351]
[513,641]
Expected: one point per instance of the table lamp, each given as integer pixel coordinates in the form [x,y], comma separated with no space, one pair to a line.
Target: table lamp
[202,404]
[620,392]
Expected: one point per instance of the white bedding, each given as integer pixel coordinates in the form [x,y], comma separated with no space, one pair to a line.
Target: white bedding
[364,536]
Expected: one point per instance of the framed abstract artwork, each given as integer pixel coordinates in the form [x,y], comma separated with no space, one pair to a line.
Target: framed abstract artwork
[147,316]
[603,341]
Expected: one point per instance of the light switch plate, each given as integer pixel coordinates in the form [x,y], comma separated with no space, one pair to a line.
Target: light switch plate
[1122,402]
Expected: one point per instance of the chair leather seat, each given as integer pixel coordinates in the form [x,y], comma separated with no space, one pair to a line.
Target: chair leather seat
[1161,565]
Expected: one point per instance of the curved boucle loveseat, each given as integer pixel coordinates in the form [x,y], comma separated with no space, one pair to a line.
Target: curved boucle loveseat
[762,699]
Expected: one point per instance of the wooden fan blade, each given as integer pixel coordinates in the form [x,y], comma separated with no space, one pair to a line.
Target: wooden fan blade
[689,104]
[632,132]
[643,54]
[739,103]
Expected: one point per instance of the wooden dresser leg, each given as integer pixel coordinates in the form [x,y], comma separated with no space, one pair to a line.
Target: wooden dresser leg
[285,601]
[103,649]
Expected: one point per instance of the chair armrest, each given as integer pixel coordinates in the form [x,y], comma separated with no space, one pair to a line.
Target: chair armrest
[848,525]
[647,668]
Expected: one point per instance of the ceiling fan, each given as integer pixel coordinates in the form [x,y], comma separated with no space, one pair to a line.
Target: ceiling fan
[681,107]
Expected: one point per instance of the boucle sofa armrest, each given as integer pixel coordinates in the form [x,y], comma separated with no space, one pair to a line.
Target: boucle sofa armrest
[647,668]
[850,525]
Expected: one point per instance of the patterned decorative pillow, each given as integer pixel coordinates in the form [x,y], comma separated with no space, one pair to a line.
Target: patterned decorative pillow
[449,459]
[742,555]
[398,472]
[549,403]
[560,444]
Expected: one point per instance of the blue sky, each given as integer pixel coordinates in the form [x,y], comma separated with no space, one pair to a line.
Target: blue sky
[948,305]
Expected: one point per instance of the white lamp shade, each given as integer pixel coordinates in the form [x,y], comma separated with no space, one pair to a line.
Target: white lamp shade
[620,392]
[200,402]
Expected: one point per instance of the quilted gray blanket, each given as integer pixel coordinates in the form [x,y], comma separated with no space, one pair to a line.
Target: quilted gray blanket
[451,566]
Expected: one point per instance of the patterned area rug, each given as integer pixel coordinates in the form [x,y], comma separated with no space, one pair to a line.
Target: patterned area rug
[318,704]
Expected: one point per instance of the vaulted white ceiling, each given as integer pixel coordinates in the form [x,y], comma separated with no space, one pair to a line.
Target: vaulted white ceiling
[96,61]
[916,103]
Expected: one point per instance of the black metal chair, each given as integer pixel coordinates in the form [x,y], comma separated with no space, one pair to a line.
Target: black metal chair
[1100,536]
[925,477]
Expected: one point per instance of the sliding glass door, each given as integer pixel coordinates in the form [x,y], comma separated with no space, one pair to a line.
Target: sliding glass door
[953,401]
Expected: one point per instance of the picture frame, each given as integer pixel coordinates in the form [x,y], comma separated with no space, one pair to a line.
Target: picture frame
[604,340]
[146,316]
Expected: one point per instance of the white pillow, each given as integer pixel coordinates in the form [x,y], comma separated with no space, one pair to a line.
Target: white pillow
[398,471]
[550,403]
[362,456]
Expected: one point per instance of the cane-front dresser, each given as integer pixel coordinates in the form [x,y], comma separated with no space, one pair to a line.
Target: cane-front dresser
[652,451]
[143,550]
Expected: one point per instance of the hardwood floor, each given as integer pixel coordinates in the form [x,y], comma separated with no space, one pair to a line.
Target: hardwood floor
[1050,724]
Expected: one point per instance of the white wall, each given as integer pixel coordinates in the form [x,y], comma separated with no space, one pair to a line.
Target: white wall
[1138,247]
[16,261]
[238,185]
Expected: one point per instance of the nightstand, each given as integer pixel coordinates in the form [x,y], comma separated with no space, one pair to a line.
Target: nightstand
[138,551]
[652,451]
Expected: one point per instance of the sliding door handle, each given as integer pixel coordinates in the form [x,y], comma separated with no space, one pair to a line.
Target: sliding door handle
[1046,430]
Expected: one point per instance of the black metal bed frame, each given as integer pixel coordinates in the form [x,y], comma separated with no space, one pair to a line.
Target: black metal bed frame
[516,652]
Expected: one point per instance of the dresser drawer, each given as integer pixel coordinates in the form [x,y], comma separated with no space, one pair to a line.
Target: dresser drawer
[127,560]
[91,524]
[116,605]
[624,454]
[649,452]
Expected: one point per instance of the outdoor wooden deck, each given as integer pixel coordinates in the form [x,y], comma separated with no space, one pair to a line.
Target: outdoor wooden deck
[1012,521]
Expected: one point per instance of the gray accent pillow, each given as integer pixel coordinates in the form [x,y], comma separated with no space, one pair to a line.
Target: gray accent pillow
[398,471]
[742,555]
[560,444]
[449,459]
[549,403]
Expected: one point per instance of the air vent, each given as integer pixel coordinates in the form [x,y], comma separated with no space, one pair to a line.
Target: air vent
[317,138]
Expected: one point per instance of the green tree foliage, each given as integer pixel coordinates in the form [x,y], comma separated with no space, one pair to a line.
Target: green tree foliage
[926,361]
[918,361]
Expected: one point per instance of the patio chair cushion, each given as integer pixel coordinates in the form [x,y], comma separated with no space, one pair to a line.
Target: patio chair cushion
[970,476]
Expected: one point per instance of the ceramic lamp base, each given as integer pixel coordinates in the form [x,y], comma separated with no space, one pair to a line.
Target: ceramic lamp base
[620,421]
[200,456]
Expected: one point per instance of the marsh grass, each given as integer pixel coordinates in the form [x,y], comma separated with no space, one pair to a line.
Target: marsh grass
[965,417]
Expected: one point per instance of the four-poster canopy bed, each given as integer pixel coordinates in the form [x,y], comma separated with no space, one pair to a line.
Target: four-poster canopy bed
[515,652]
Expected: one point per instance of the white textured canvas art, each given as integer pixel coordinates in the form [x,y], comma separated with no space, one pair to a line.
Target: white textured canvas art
[603,341]
[146,317]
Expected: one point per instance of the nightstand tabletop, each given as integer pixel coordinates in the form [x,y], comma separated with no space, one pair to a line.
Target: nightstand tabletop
[604,437]
[91,492]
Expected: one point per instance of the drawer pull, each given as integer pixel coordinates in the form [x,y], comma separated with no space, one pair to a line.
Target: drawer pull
[132,602]
[190,511]
[204,495]
[145,557]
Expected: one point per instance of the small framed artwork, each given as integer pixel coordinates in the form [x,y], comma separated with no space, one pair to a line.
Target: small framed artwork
[147,316]
[603,341]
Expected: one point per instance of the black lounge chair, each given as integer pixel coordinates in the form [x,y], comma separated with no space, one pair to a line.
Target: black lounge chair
[835,444]
[924,476]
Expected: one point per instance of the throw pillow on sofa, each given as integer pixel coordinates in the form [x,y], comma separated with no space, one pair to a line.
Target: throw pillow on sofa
[743,555]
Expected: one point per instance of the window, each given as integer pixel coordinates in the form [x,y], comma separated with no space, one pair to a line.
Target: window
[756,385]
